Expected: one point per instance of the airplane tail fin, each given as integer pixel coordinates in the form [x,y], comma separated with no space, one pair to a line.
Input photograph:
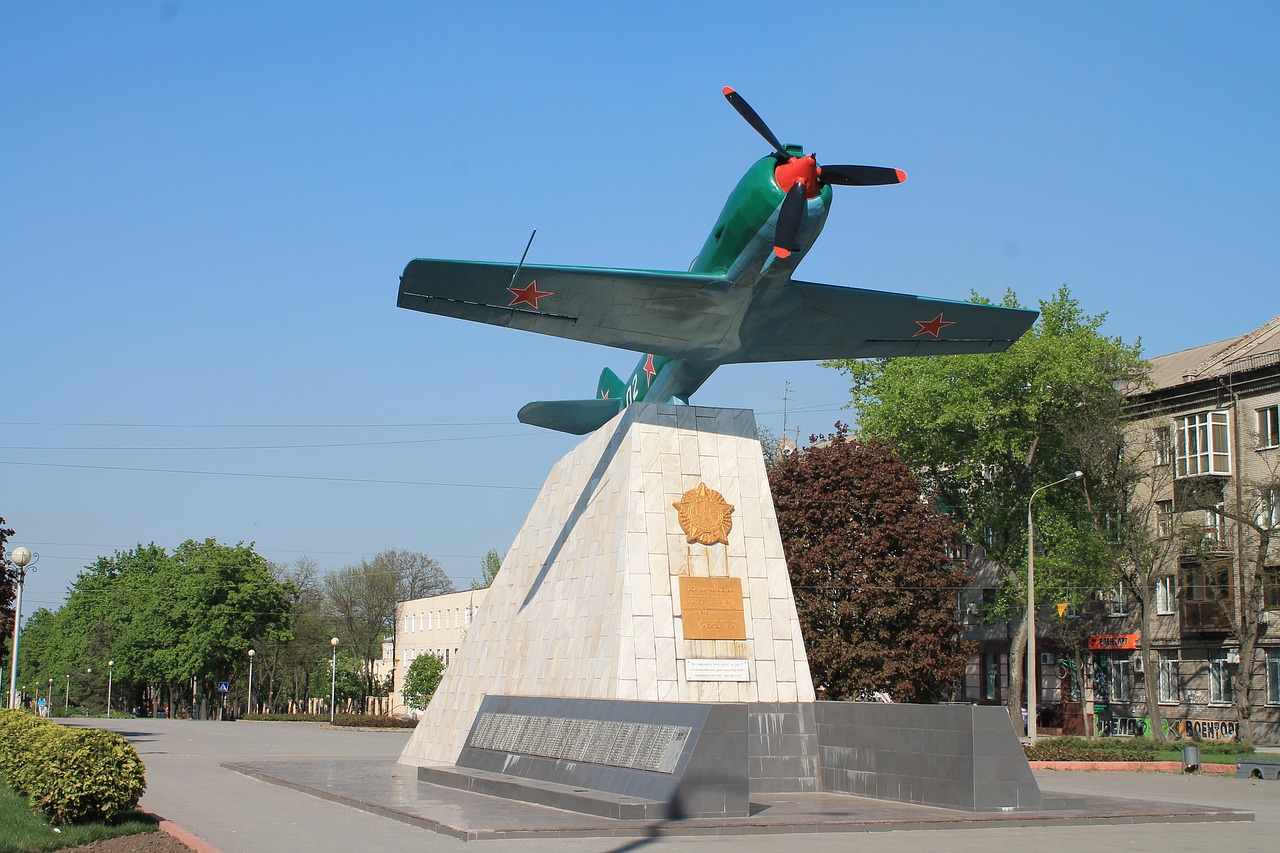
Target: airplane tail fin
[610,387]
[577,417]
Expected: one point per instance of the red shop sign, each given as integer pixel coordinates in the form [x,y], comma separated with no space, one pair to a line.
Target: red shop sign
[1107,642]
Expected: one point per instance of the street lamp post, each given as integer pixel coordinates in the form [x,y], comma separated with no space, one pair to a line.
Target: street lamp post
[110,664]
[88,671]
[333,678]
[66,696]
[248,709]
[20,557]
[48,702]
[1031,604]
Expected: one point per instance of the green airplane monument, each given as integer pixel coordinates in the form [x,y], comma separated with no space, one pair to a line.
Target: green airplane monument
[738,303]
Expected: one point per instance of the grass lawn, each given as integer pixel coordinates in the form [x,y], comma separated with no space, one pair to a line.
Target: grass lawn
[21,830]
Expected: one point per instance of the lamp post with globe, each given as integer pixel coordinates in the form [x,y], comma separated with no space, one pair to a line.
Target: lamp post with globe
[20,557]
[333,679]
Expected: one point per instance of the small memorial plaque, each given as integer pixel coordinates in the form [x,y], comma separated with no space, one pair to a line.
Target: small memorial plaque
[712,609]
[716,669]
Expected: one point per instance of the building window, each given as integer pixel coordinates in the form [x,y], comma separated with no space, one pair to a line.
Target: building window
[1221,678]
[1166,595]
[1170,688]
[1271,587]
[1268,427]
[1164,519]
[1162,444]
[1273,676]
[1268,513]
[1113,677]
[991,676]
[1202,444]
[1215,528]
[1118,601]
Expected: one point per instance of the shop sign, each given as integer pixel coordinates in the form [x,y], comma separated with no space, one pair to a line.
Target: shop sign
[1110,642]
[1132,726]
[1206,729]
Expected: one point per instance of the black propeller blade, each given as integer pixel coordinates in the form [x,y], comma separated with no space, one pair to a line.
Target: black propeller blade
[753,118]
[861,176]
[788,227]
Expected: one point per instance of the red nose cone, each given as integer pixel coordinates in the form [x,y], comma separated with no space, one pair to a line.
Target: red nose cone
[802,170]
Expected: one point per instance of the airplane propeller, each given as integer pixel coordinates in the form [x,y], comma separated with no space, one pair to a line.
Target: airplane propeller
[805,177]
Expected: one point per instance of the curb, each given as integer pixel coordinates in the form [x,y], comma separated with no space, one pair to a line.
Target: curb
[1134,766]
[195,842]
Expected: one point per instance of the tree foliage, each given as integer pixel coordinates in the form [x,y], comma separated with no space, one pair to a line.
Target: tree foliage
[162,619]
[421,680]
[361,601]
[8,584]
[489,565]
[874,583]
[985,431]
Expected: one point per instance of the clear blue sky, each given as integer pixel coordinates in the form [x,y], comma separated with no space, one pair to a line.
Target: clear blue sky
[206,205]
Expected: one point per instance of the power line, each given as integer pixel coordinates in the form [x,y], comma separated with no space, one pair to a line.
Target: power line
[283,446]
[272,476]
[249,426]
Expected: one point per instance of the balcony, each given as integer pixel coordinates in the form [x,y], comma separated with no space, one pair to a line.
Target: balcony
[1205,617]
[1209,540]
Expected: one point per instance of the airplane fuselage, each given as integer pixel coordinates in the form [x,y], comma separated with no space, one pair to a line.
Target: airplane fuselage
[739,248]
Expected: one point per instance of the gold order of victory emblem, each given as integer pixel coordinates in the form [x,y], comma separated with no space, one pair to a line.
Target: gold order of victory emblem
[705,516]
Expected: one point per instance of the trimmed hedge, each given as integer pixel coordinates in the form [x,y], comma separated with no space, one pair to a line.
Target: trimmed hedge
[364,721]
[1103,749]
[72,775]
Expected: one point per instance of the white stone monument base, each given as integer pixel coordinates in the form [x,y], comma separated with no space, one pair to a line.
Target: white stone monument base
[587,602]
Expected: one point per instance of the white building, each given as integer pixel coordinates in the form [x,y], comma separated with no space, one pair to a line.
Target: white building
[434,625]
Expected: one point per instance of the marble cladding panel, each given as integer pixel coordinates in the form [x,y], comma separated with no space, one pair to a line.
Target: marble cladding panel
[589,608]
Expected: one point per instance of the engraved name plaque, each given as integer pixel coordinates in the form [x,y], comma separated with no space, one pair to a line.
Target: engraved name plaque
[712,609]
[637,746]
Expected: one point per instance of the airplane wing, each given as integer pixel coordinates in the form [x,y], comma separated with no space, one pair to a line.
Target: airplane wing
[640,310]
[802,321]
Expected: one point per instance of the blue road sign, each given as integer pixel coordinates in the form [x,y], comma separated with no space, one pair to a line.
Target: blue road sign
[223,687]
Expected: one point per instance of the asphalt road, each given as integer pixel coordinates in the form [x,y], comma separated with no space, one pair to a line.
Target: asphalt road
[238,814]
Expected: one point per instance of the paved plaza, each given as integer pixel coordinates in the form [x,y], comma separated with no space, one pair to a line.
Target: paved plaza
[236,812]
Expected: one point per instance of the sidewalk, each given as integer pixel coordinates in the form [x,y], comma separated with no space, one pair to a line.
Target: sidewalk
[239,814]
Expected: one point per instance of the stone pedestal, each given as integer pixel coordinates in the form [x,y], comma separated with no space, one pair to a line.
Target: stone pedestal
[590,602]
[639,654]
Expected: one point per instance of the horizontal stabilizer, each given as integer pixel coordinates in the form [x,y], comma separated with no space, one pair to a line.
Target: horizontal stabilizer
[577,417]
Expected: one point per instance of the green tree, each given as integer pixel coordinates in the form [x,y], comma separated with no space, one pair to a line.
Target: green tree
[489,565]
[874,582]
[361,600]
[421,680]
[163,620]
[984,431]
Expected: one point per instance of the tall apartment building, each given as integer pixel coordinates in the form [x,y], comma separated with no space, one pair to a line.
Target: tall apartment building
[1208,426]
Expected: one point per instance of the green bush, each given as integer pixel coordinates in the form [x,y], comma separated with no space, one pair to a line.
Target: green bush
[72,775]
[90,775]
[1079,749]
[1223,747]
[367,721]
[21,734]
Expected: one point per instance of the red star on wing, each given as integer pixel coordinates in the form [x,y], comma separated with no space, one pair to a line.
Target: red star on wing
[529,295]
[649,369]
[932,327]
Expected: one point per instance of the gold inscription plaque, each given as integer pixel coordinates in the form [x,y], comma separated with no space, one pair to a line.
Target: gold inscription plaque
[705,516]
[712,609]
